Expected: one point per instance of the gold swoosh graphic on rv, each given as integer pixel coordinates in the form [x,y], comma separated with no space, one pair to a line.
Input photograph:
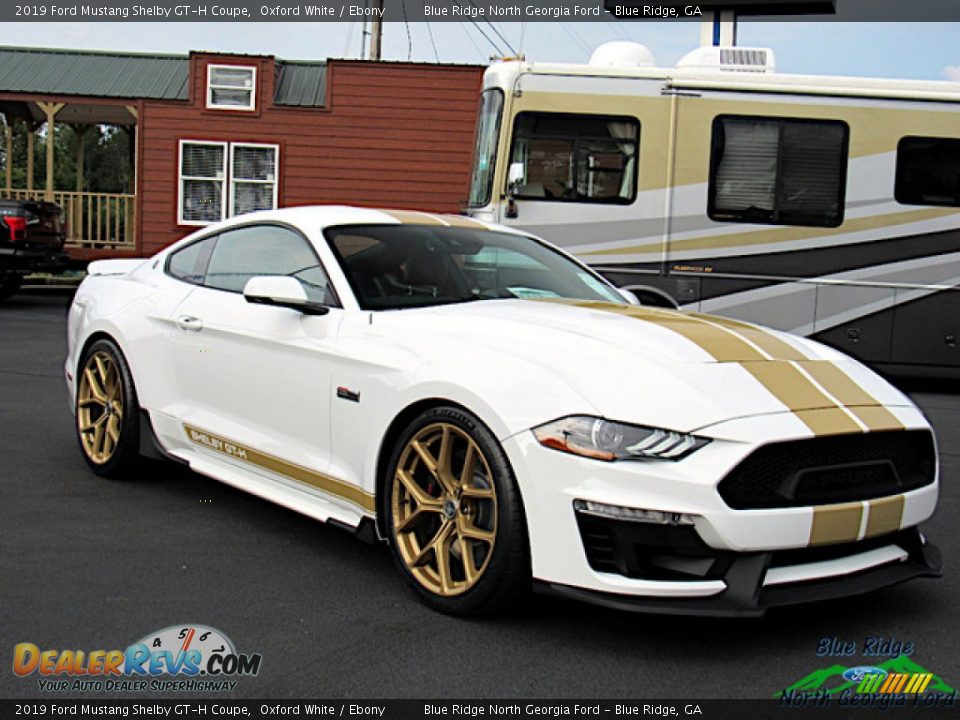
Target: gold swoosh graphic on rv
[820,394]
[333,486]
[780,234]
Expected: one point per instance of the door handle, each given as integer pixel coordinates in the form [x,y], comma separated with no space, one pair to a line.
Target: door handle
[189,323]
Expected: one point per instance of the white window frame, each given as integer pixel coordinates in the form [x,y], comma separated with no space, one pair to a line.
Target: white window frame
[211,87]
[232,181]
[223,178]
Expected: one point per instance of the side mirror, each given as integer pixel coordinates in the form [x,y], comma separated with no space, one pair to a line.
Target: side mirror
[515,175]
[629,296]
[281,291]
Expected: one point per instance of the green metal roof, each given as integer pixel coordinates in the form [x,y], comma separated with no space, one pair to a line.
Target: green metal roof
[98,74]
[301,83]
[46,71]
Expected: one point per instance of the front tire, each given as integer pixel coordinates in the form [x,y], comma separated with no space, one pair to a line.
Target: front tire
[107,411]
[454,515]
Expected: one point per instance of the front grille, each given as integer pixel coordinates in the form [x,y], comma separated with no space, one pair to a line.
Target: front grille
[834,469]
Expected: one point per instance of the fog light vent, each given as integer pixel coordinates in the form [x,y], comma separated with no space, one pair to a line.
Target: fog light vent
[618,512]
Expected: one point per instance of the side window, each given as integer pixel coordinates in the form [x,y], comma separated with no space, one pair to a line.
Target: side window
[190,263]
[928,171]
[576,158]
[778,171]
[245,252]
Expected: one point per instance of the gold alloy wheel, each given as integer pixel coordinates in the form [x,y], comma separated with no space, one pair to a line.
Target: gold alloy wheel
[444,507]
[100,407]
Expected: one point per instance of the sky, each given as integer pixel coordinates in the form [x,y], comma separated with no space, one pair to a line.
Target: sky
[929,51]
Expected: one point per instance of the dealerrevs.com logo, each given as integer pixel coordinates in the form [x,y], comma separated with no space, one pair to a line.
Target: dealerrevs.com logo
[178,658]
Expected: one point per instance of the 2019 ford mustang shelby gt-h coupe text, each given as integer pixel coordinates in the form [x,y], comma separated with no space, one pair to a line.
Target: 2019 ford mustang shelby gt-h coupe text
[502,416]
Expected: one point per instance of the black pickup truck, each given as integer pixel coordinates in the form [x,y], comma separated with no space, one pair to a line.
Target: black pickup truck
[32,233]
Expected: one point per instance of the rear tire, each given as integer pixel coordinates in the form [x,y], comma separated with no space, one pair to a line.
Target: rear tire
[10,286]
[107,411]
[454,515]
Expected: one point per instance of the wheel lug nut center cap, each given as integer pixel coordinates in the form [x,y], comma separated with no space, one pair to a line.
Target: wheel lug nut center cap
[449,509]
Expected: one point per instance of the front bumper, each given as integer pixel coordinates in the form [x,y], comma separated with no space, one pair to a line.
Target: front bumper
[749,591]
[739,561]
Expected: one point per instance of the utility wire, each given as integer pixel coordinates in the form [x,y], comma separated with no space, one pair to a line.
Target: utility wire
[432,43]
[575,38]
[486,37]
[492,27]
[470,38]
[346,45]
[500,35]
[407,26]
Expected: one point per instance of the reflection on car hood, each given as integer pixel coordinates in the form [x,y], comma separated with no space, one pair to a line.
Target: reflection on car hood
[677,369]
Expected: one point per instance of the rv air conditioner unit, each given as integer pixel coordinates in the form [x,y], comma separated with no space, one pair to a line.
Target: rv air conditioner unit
[730,59]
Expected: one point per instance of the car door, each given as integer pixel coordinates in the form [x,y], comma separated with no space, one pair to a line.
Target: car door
[257,378]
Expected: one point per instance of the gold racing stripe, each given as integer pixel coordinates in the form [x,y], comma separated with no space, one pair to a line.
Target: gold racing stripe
[413,217]
[836,523]
[721,345]
[332,486]
[769,343]
[775,364]
[463,221]
[885,515]
[857,400]
[793,389]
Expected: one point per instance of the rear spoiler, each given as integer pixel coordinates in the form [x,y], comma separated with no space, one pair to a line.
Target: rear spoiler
[114,267]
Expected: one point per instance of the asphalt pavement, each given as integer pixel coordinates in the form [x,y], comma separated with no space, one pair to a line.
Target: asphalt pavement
[88,563]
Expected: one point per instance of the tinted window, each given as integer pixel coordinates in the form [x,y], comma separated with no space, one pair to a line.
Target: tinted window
[397,266]
[243,253]
[928,171]
[190,263]
[580,158]
[777,171]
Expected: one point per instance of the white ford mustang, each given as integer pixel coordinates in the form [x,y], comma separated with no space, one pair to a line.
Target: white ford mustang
[502,416]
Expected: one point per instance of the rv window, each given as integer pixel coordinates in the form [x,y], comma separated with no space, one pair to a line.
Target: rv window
[928,171]
[777,171]
[485,150]
[576,158]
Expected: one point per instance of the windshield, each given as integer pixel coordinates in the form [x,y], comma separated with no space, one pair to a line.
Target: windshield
[398,266]
[485,152]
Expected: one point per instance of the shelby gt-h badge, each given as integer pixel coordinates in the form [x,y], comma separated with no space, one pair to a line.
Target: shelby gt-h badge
[499,413]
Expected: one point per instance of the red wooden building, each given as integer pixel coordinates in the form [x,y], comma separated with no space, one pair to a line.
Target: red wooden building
[214,135]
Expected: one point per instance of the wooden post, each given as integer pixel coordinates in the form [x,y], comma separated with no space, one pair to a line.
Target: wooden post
[30,131]
[8,179]
[376,30]
[81,132]
[50,110]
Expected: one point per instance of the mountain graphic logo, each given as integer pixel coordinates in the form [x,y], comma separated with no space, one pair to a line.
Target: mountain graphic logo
[831,680]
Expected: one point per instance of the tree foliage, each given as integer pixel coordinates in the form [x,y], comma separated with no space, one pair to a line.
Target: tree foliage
[106,162]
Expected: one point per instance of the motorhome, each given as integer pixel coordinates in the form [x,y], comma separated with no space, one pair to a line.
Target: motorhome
[826,206]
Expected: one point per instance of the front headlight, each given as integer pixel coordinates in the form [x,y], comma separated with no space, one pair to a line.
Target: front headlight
[606,440]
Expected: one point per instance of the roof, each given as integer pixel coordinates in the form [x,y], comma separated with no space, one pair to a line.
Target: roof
[504,75]
[49,71]
[301,83]
[98,74]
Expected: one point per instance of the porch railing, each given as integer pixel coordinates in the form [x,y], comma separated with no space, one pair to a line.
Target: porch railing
[94,220]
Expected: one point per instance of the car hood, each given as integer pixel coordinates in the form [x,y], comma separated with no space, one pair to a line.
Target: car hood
[678,370]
